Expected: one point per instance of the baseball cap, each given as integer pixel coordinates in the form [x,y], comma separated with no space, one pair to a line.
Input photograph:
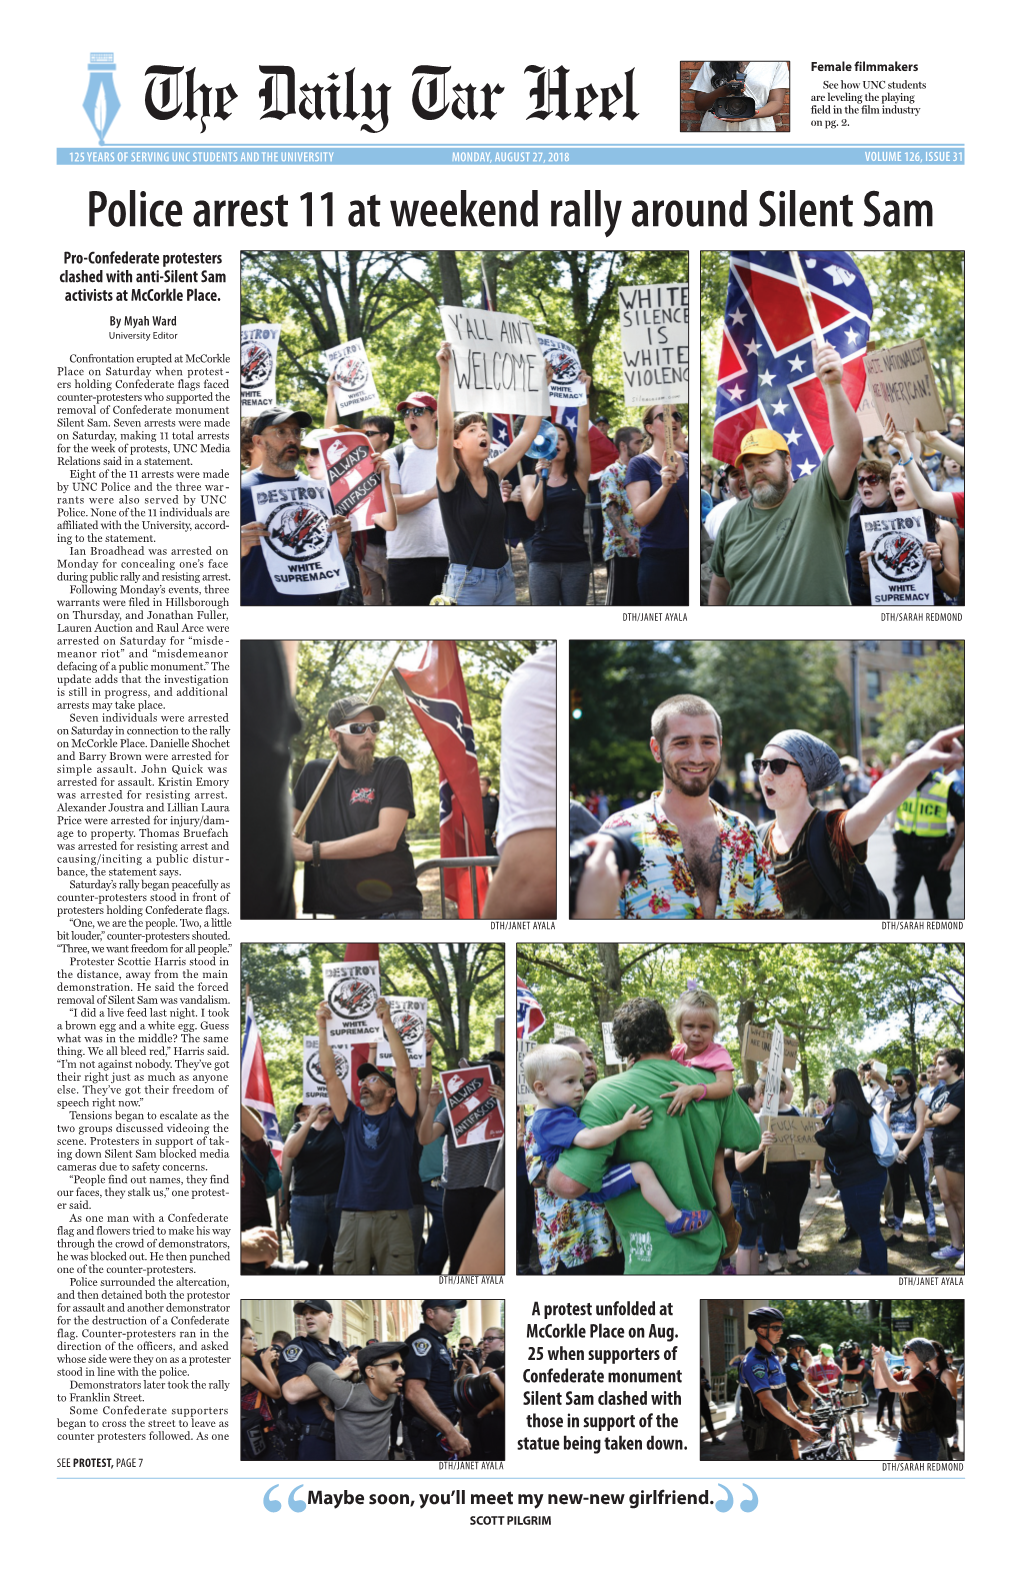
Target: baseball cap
[367,1070]
[313,1305]
[344,707]
[379,1352]
[279,415]
[417,400]
[759,443]
[446,1302]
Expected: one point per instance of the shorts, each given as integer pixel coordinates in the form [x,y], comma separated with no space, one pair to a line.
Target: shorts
[853,1394]
[951,1158]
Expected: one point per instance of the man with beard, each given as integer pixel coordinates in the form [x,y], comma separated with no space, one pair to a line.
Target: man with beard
[698,861]
[736,490]
[872,496]
[361,1412]
[358,862]
[275,450]
[786,545]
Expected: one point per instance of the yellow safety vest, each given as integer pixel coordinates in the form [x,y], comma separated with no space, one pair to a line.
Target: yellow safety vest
[926,813]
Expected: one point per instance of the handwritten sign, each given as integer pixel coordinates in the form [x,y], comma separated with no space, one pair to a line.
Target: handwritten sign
[475,1115]
[301,555]
[498,364]
[795,1138]
[560,1031]
[410,1016]
[653,339]
[756,1044]
[773,1075]
[903,384]
[260,344]
[353,384]
[609,1043]
[900,574]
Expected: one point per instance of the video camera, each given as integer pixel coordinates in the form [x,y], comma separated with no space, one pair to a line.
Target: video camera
[628,857]
[737,105]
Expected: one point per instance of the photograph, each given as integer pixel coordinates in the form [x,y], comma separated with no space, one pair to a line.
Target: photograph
[832,427]
[820,1380]
[735,95]
[372,1092]
[740,1109]
[778,780]
[398,781]
[464,427]
[363,1381]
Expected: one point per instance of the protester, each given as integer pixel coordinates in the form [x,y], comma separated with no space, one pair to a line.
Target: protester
[471,501]
[823,1373]
[362,1411]
[765,81]
[260,1177]
[940,1365]
[854,1371]
[945,1117]
[915,1385]
[490,813]
[416,552]
[258,1385]
[370,544]
[621,543]
[766,1419]
[432,1426]
[787,1188]
[524,884]
[904,1115]
[925,849]
[698,862]
[315,1149]
[315,1436]
[786,544]
[941,549]
[357,846]
[275,450]
[554,499]
[269,720]
[736,490]
[855,1168]
[658,494]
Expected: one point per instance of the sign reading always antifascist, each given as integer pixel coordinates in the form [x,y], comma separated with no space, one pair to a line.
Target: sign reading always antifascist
[653,338]
[903,384]
[355,489]
[260,344]
[301,554]
[353,384]
[475,1115]
[498,365]
[899,573]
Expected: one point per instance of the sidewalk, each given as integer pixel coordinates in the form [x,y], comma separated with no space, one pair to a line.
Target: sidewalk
[869,1445]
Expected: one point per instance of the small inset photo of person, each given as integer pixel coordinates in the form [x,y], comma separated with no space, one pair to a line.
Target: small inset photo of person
[735,95]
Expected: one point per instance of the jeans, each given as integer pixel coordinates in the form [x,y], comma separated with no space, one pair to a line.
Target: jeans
[662,576]
[749,1229]
[559,582]
[862,1207]
[918,1446]
[481,586]
[433,1254]
[313,1218]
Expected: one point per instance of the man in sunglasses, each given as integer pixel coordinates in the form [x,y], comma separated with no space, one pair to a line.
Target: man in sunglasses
[872,496]
[361,1412]
[358,863]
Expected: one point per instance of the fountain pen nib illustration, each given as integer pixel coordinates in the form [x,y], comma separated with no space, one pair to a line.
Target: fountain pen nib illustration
[101,102]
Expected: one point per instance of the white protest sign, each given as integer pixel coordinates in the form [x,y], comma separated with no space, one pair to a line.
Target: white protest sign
[867,413]
[314,1090]
[260,345]
[354,387]
[561,1030]
[653,339]
[498,365]
[523,1093]
[352,991]
[899,573]
[903,384]
[410,1016]
[774,1074]
[300,553]
[566,387]
[608,1043]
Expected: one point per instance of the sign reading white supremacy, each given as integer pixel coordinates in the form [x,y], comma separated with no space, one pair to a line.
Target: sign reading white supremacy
[410,1016]
[352,991]
[899,573]
[313,1091]
[353,384]
[903,384]
[498,365]
[566,388]
[301,555]
[260,345]
[653,339]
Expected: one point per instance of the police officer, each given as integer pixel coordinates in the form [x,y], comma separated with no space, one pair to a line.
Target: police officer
[429,1407]
[315,1439]
[924,846]
[766,1419]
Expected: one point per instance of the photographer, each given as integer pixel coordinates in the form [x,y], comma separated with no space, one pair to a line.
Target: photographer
[259,1385]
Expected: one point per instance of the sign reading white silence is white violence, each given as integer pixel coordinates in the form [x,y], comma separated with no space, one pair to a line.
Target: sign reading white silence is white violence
[653,339]
[899,573]
[498,365]
[260,345]
[301,555]
[353,383]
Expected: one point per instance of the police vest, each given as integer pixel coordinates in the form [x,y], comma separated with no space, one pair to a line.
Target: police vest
[925,814]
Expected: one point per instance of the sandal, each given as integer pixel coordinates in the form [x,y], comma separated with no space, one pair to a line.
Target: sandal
[779,1271]
[802,1264]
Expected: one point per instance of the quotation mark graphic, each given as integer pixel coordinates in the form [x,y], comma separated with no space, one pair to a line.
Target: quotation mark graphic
[293,1502]
[748,1505]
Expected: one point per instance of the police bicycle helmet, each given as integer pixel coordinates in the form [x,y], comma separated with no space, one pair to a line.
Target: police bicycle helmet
[762,1317]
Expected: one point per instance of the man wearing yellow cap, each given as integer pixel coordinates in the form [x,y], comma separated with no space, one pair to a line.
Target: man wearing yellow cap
[786,544]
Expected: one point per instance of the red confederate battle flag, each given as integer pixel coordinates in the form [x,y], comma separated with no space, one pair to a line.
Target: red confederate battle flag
[434,687]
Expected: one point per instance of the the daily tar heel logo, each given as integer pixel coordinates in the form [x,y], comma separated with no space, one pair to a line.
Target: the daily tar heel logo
[101,101]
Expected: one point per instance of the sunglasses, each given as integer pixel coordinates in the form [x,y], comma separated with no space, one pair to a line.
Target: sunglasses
[868,479]
[778,765]
[899,1081]
[367,430]
[676,418]
[391,1365]
[359,729]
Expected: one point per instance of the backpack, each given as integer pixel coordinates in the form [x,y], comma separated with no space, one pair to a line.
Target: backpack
[943,1410]
[882,1142]
[865,901]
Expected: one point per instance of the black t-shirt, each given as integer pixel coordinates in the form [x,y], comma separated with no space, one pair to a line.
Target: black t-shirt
[466,514]
[804,898]
[268,720]
[319,1166]
[350,804]
[559,535]
[948,1095]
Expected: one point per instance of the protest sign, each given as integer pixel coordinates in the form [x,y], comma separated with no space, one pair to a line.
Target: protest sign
[795,1139]
[347,1058]
[653,339]
[259,347]
[410,1016]
[566,387]
[756,1044]
[899,573]
[609,1044]
[355,489]
[523,1093]
[352,991]
[301,555]
[867,413]
[903,384]
[773,1075]
[475,1115]
[497,363]
[353,384]
[560,1030]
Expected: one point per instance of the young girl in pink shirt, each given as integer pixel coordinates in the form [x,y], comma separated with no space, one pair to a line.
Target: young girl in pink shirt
[695,1018]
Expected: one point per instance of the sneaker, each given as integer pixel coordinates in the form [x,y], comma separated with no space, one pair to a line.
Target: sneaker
[948,1254]
[940,1209]
[958,1263]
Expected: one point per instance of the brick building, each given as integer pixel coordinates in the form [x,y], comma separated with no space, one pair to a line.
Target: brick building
[724,1333]
[878,663]
[690,118]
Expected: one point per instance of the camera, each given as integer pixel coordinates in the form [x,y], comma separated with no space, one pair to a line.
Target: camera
[472,1392]
[628,857]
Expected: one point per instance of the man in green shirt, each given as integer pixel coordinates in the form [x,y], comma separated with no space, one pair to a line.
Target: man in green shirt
[680,1150]
[786,545]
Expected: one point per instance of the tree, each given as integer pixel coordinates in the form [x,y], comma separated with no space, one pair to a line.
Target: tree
[928,699]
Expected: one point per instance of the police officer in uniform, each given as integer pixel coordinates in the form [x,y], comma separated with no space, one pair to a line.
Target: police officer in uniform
[430,1412]
[315,1438]
[924,846]
[766,1419]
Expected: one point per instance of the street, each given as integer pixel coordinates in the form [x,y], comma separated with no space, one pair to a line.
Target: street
[869,1445]
[882,866]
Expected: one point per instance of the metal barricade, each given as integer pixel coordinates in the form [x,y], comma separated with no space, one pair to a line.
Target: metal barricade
[450,863]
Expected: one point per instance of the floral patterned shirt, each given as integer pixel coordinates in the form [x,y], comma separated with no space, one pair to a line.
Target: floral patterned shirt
[612,489]
[664,887]
[568,1231]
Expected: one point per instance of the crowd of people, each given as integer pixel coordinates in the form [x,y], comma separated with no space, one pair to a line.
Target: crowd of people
[694,858]
[663,1168]
[308,1397]
[774,532]
[377,1185]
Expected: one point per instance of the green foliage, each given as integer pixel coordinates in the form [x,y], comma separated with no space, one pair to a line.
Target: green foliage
[867,1322]
[917,704]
